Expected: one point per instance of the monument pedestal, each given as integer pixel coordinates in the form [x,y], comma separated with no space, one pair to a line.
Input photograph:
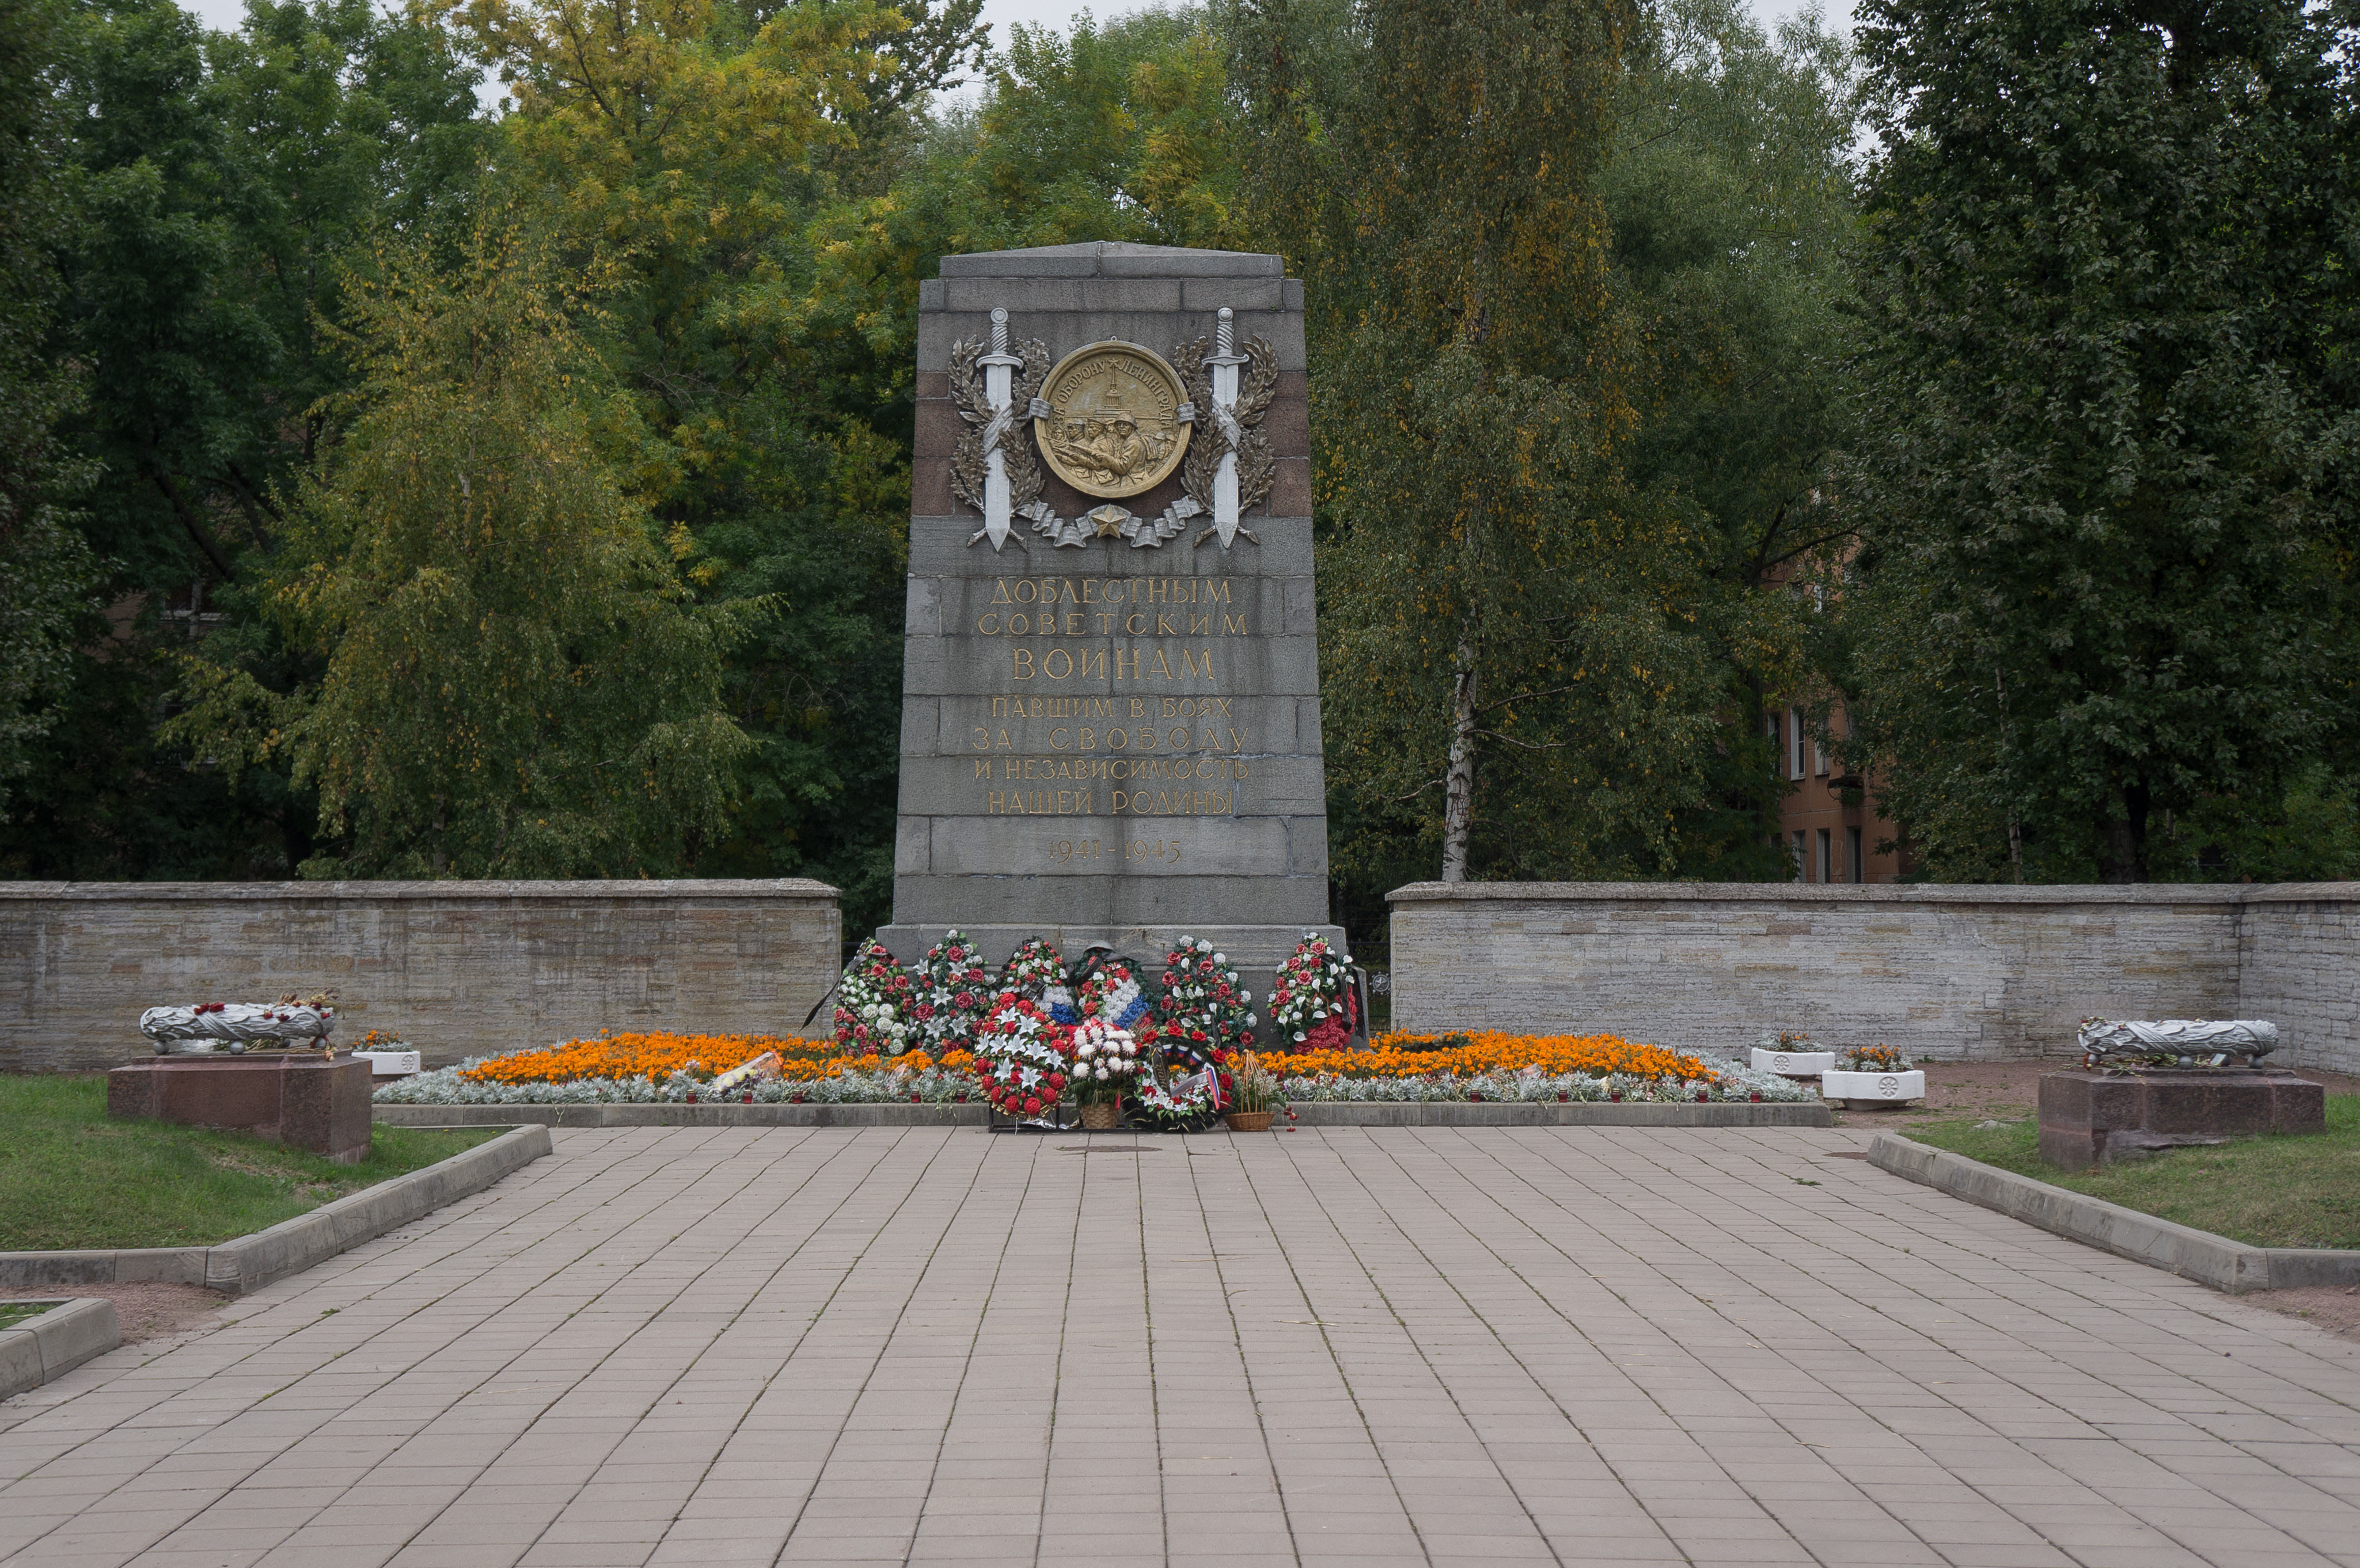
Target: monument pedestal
[301,1101]
[2094,1119]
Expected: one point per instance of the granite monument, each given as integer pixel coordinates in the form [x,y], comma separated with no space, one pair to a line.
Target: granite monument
[1110,697]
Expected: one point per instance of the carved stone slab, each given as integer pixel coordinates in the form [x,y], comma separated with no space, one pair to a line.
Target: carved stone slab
[1111,735]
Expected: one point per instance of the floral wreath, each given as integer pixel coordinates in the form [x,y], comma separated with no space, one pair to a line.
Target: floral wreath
[1020,1057]
[873,1003]
[1037,970]
[1112,994]
[1201,988]
[955,993]
[1312,1002]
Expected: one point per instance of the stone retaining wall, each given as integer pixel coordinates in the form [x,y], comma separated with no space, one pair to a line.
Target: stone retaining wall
[455,968]
[1940,972]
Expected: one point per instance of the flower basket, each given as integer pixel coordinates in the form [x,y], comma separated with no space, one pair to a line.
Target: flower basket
[1104,1116]
[1248,1121]
[1871,1078]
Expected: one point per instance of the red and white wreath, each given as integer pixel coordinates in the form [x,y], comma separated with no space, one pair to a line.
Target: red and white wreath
[1023,1057]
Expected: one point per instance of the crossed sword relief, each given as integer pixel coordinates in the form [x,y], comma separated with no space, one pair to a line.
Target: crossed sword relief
[1001,478]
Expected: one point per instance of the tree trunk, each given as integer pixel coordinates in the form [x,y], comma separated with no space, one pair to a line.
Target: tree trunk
[2126,836]
[1458,780]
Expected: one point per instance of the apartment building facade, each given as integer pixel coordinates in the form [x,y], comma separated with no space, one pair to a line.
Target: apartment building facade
[1828,825]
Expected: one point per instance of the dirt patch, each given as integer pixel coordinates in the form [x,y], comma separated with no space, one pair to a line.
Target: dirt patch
[2009,1091]
[150,1309]
[2335,1308]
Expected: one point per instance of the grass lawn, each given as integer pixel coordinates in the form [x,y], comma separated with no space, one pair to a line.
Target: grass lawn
[2265,1191]
[14,1312]
[70,1178]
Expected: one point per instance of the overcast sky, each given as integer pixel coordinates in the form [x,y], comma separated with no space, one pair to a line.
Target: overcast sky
[226,14]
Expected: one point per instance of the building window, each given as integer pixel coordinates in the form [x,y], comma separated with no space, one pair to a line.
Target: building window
[1826,856]
[1802,867]
[1819,756]
[1794,742]
[1858,867]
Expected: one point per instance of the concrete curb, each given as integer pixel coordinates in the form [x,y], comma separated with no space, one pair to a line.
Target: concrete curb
[1322,1113]
[42,1349]
[249,1262]
[2229,1265]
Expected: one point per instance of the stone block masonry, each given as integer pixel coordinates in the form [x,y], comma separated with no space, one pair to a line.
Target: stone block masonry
[1941,971]
[457,969]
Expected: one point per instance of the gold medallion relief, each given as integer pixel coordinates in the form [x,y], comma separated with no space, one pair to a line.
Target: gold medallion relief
[1113,425]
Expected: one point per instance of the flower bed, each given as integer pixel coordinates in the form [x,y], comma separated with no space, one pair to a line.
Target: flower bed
[659,1068]
[1491,1065]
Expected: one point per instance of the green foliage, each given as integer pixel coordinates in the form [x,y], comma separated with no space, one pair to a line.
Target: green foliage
[2105,411]
[512,684]
[1730,202]
[46,569]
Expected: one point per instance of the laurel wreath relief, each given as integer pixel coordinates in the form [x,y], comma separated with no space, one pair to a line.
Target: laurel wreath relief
[1219,432]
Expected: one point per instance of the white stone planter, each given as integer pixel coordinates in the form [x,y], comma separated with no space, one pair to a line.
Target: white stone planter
[389,1064]
[1867,1090]
[1793,1063]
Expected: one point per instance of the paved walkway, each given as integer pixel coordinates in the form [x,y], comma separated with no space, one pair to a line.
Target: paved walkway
[1348,1348]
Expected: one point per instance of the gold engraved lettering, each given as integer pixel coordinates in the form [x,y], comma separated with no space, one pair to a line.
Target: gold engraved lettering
[1159,667]
[982,740]
[982,764]
[1027,591]
[1216,590]
[1048,664]
[1163,626]
[1116,739]
[1234,626]
[1201,626]
[1126,668]
[1135,625]
[988,625]
[1156,589]
[1139,707]
[1023,663]
[1000,590]
[1188,664]
[1089,740]
[1056,745]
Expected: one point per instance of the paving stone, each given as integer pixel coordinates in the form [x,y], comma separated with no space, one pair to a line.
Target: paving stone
[1353,1346]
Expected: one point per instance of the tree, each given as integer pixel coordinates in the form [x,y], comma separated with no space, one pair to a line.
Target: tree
[46,569]
[514,684]
[1498,640]
[2106,413]
[1731,204]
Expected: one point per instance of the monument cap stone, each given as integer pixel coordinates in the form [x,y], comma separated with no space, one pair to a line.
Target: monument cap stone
[1110,695]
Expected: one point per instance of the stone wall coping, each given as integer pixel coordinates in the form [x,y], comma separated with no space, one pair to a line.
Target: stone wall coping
[709,890]
[1110,258]
[2172,893]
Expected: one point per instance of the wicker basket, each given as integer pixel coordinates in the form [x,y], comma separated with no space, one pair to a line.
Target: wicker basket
[1103,1117]
[1248,1121]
